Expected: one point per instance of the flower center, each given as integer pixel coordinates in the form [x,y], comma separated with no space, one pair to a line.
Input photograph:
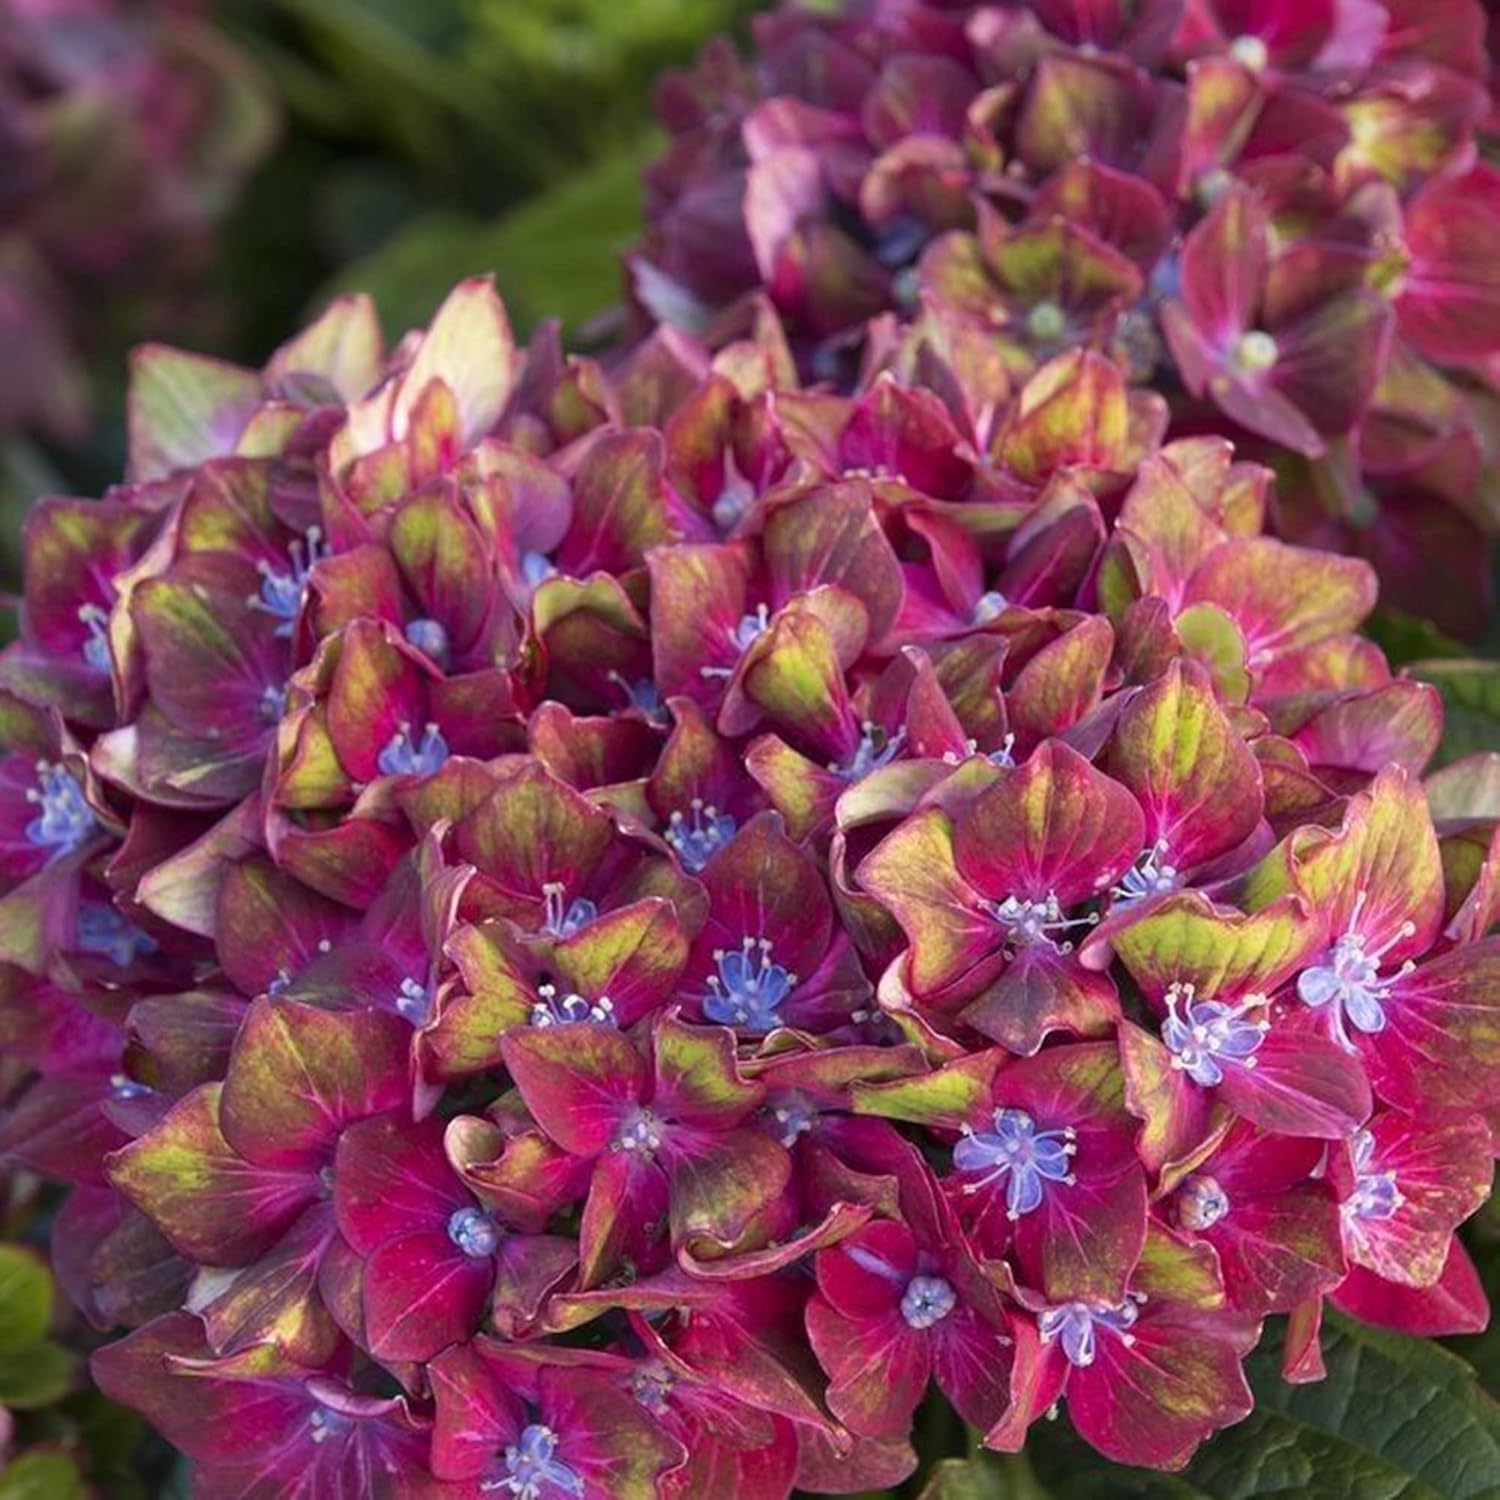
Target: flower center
[272,704]
[533,1471]
[700,835]
[1073,1324]
[1250,52]
[927,1301]
[1254,352]
[642,694]
[1046,323]
[744,635]
[748,987]
[793,1118]
[652,1386]
[430,637]
[536,569]
[414,1002]
[1348,981]
[64,822]
[96,647]
[404,756]
[324,1424]
[103,930]
[562,920]
[735,498]
[1028,923]
[1005,757]
[474,1232]
[1017,1152]
[639,1133]
[1205,1035]
[1151,875]
[1201,1202]
[875,749]
[281,593]
[568,1010]
[990,606]
[1375,1194]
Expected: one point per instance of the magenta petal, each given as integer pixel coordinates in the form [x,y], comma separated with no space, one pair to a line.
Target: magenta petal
[392,1178]
[422,1293]
[1041,991]
[1055,826]
[1456,1303]
[1301,1084]
[298,1075]
[1441,1043]
[477,1414]
[1083,1243]
[971,1362]
[1153,1401]
[1278,1250]
[579,1081]
[879,1368]
[211,1419]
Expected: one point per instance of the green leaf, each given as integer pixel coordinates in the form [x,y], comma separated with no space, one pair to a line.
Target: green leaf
[1482,1235]
[35,1376]
[1406,638]
[1471,700]
[556,256]
[42,1476]
[984,1476]
[1397,1419]
[25,1298]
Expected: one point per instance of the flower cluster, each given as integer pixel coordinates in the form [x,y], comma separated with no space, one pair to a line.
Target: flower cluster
[592,933]
[125,126]
[1275,213]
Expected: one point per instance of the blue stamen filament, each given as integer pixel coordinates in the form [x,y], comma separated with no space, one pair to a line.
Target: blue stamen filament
[642,695]
[744,635]
[533,1471]
[111,934]
[414,1002]
[875,749]
[1348,981]
[652,1386]
[96,647]
[1016,1152]
[404,757]
[571,1009]
[1028,923]
[1205,1035]
[1151,875]
[64,822]
[699,836]
[559,920]
[792,1119]
[324,1424]
[735,497]
[748,987]
[639,1134]
[281,594]
[1072,1324]
[1375,1194]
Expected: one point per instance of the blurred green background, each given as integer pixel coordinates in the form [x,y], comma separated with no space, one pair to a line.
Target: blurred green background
[417,141]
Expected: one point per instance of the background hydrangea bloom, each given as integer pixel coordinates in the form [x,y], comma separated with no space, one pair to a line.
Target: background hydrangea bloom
[1274,214]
